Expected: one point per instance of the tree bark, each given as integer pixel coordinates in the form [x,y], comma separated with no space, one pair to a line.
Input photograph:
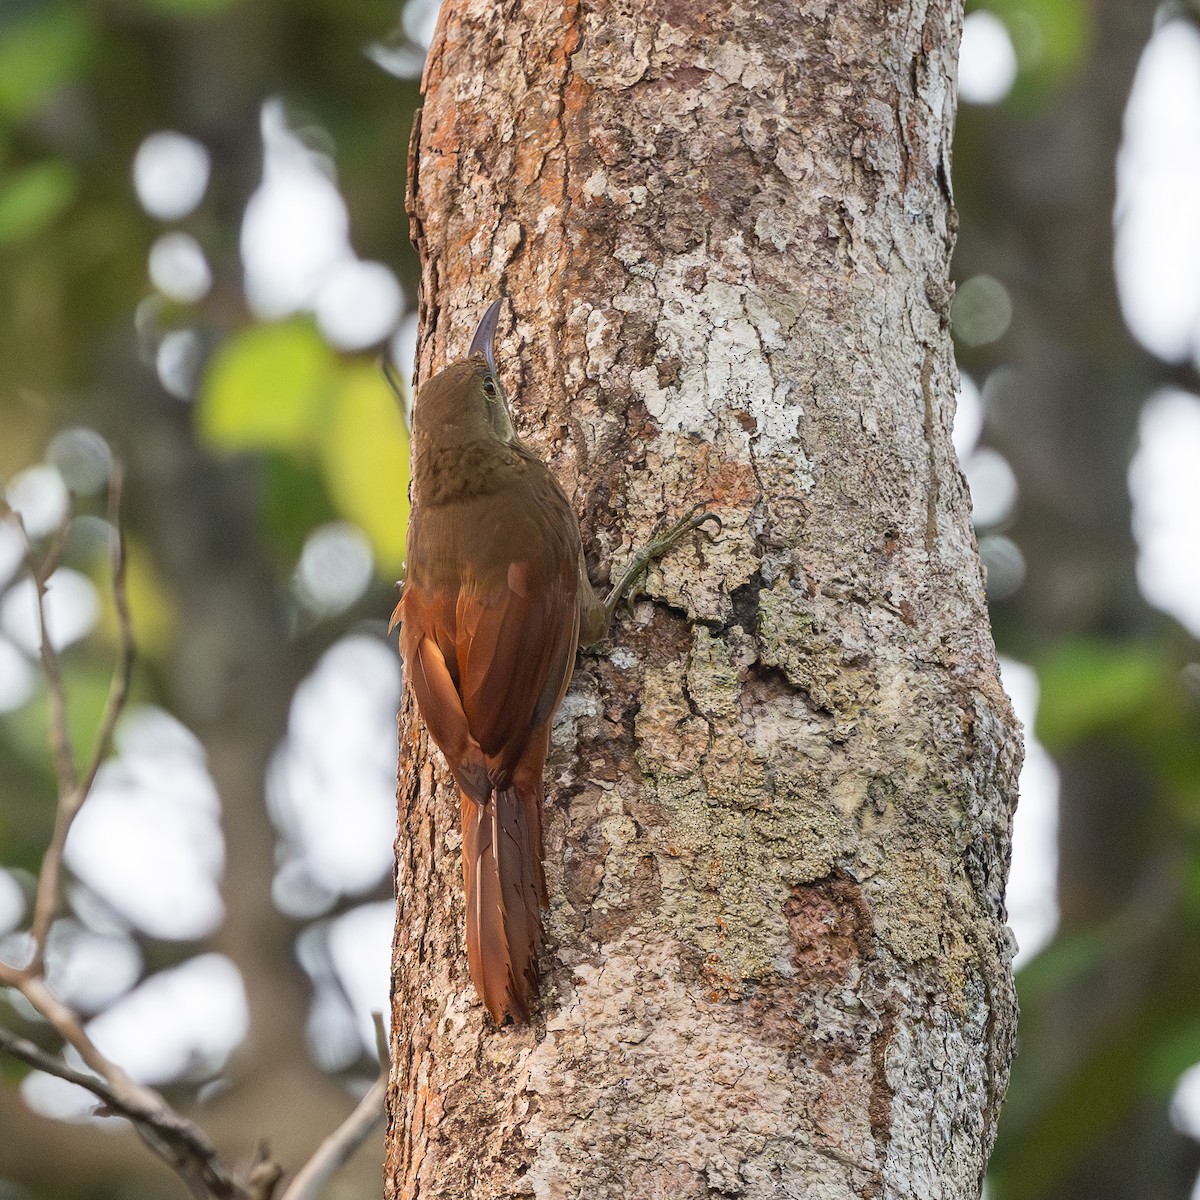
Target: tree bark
[779,800]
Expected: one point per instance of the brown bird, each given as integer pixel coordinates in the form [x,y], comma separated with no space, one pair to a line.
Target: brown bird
[496,599]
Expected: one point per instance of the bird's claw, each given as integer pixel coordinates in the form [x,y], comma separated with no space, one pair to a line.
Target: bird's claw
[698,516]
[666,534]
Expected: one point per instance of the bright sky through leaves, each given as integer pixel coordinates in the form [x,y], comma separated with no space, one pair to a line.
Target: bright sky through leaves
[170,174]
[1158,196]
[987,66]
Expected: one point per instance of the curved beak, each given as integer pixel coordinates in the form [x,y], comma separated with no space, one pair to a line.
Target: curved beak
[484,341]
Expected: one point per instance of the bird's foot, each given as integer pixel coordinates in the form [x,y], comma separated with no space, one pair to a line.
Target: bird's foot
[665,536]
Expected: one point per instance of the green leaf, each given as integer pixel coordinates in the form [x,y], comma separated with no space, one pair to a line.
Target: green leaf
[31,199]
[1050,37]
[39,53]
[189,8]
[1089,687]
[365,458]
[294,503]
[1174,1053]
[267,388]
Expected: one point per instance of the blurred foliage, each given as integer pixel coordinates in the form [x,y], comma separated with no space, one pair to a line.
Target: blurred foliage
[330,426]
[268,388]
[80,86]
[151,607]
[1092,688]
[1112,1006]
[42,48]
[277,423]
[1051,38]
[32,198]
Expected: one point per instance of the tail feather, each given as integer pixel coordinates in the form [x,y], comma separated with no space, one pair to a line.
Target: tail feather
[505,892]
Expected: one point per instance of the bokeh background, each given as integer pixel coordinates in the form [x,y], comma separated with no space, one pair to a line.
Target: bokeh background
[203,255]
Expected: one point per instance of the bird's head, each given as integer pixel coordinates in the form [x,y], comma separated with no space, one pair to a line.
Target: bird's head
[482,356]
[465,402]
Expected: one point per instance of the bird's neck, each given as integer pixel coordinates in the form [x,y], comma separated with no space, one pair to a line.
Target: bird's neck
[450,470]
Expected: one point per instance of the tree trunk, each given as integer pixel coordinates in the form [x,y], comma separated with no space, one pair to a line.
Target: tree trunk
[779,800]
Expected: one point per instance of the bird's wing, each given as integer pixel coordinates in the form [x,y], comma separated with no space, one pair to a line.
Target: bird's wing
[426,633]
[515,642]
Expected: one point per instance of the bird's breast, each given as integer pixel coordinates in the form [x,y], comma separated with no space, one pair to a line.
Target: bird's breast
[522,533]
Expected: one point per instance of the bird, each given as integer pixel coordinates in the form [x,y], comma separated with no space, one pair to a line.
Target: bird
[494,603]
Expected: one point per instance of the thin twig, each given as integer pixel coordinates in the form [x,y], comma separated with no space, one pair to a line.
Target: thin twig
[40,572]
[336,1150]
[72,796]
[382,1050]
[401,394]
[118,690]
[171,1136]
[35,1056]
[68,1026]
[175,1139]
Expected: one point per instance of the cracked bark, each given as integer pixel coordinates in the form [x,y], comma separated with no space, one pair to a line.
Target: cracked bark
[779,802]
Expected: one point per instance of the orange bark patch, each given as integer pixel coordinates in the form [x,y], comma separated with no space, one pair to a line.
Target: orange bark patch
[723,482]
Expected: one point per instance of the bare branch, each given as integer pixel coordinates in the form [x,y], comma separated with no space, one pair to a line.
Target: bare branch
[73,791]
[174,1138]
[40,572]
[171,1136]
[32,1054]
[340,1145]
[68,1026]
[338,1148]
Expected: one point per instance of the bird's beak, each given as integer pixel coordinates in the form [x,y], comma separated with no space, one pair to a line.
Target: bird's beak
[484,341]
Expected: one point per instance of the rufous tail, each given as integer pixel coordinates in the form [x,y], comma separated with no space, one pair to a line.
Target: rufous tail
[506,891]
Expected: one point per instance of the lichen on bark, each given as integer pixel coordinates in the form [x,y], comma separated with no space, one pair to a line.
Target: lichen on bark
[778,802]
